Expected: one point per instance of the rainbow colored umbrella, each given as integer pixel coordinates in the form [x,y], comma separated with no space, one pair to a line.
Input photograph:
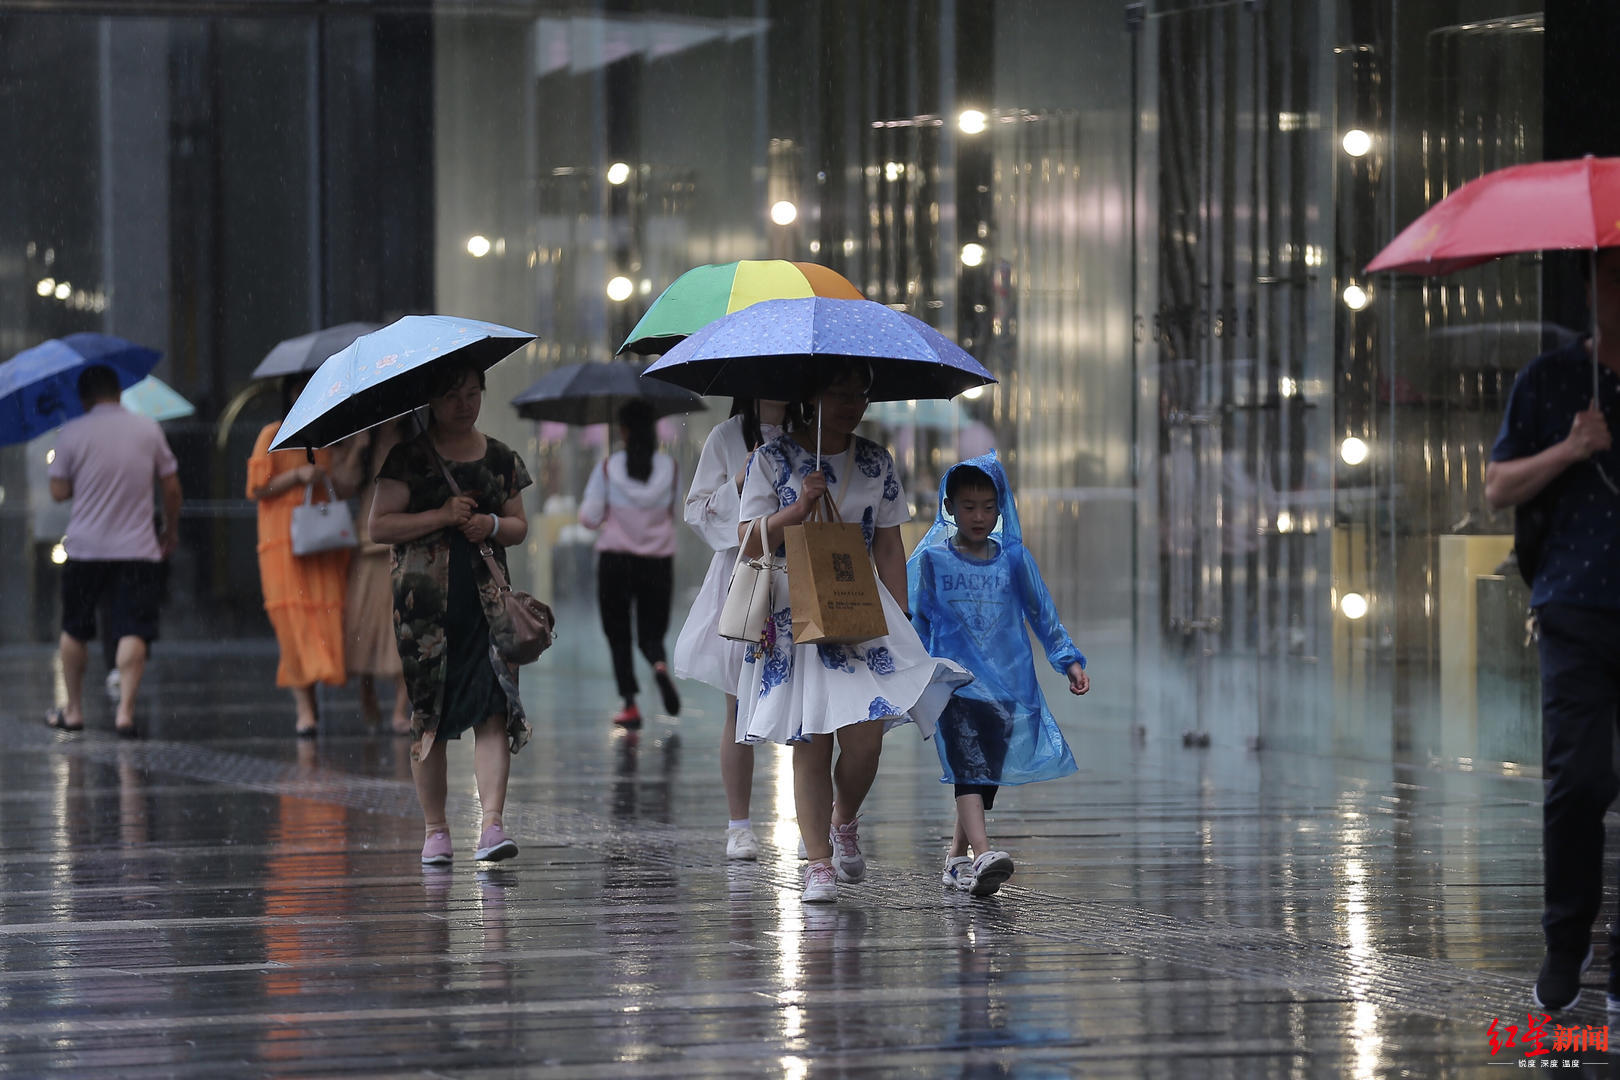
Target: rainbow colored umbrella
[705,293]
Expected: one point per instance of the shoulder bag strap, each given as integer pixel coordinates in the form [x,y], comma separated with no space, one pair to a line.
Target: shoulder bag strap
[483,548]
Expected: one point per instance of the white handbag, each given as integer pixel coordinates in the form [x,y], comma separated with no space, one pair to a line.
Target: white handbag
[326,526]
[748,599]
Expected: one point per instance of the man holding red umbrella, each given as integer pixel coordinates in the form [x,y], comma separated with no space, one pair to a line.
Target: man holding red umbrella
[1554,460]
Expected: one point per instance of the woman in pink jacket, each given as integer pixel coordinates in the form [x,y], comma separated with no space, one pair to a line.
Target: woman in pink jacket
[631,498]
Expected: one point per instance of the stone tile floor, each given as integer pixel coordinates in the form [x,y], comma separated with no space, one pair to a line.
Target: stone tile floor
[219,899]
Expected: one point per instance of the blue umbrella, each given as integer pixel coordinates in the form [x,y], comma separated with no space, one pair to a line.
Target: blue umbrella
[39,387]
[772,349]
[387,374]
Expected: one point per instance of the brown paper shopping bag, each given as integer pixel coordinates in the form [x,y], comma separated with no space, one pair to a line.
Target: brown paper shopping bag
[831,584]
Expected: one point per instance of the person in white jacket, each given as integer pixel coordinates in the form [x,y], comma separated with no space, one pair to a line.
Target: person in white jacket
[630,498]
[700,652]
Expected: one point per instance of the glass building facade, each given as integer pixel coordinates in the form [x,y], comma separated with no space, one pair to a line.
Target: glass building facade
[1253,475]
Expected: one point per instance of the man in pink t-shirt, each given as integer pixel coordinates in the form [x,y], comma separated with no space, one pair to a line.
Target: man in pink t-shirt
[107,462]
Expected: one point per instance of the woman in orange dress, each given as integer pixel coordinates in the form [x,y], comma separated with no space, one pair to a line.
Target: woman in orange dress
[303,594]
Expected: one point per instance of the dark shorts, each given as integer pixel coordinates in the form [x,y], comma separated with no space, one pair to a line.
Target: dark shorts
[128,591]
[987,792]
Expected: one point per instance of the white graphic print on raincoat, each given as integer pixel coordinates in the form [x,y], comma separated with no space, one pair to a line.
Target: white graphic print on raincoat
[998,730]
[789,692]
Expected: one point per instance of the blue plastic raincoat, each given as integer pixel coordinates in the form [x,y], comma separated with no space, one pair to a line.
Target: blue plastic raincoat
[998,729]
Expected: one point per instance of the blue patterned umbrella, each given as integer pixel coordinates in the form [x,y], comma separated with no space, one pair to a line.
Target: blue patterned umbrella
[39,387]
[772,349]
[387,374]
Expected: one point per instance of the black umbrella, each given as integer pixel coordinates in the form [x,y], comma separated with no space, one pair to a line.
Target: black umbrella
[306,352]
[592,393]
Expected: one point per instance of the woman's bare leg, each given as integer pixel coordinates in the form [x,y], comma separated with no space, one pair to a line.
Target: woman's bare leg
[432,787]
[304,706]
[813,795]
[859,746]
[736,765]
[370,711]
[492,762]
[402,707]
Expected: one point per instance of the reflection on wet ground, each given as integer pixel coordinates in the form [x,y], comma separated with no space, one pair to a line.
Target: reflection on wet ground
[222,899]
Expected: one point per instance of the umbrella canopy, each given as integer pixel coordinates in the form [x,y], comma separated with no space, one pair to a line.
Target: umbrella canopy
[773,348]
[307,352]
[705,293]
[152,397]
[387,373]
[1546,205]
[39,387]
[593,393]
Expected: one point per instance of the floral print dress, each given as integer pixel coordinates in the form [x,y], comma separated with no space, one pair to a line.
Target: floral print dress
[789,692]
[442,631]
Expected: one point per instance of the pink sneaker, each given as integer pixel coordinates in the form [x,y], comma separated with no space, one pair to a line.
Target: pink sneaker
[847,859]
[437,851]
[820,884]
[494,845]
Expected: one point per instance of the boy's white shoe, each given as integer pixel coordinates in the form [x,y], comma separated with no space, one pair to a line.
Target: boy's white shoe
[958,872]
[989,871]
[847,859]
[741,843]
[820,884]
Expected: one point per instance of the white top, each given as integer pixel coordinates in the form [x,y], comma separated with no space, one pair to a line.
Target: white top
[112,457]
[712,502]
[861,481]
[636,517]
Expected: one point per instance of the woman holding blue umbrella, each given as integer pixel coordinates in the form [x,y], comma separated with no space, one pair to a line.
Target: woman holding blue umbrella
[440,497]
[814,697]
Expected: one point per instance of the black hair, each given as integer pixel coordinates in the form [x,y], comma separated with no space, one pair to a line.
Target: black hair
[291,386]
[639,422]
[450,376]
[748,409]
[97,383]
[817,382]
[967,476]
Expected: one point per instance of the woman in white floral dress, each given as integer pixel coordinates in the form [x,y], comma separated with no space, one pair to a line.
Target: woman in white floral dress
[808,696]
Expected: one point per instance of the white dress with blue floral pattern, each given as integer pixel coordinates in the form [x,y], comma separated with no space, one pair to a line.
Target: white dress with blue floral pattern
[789,692]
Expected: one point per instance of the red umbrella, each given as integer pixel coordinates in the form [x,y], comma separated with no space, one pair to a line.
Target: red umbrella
[1546,205]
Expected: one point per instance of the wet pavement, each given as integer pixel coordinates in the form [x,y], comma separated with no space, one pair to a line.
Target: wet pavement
[220,899]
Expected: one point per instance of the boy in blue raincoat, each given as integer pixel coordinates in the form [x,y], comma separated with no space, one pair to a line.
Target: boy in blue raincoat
[972,587]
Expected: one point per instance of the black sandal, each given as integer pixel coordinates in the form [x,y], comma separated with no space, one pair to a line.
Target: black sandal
[57,718]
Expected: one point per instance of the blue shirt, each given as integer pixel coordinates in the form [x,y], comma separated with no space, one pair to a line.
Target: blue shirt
[1581,560]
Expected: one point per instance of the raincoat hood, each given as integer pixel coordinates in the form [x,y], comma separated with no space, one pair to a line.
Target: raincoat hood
[1008,533]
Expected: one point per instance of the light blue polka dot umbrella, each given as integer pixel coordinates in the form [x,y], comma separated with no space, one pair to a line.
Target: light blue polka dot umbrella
[774,348]
[388,373]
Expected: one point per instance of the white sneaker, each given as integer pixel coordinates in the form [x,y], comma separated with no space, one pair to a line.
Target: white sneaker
[989,871]
[741,844]
[958,872]
[820,884]
[847,859]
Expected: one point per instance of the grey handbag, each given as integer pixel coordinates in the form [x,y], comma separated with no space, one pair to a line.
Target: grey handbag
[318,527]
